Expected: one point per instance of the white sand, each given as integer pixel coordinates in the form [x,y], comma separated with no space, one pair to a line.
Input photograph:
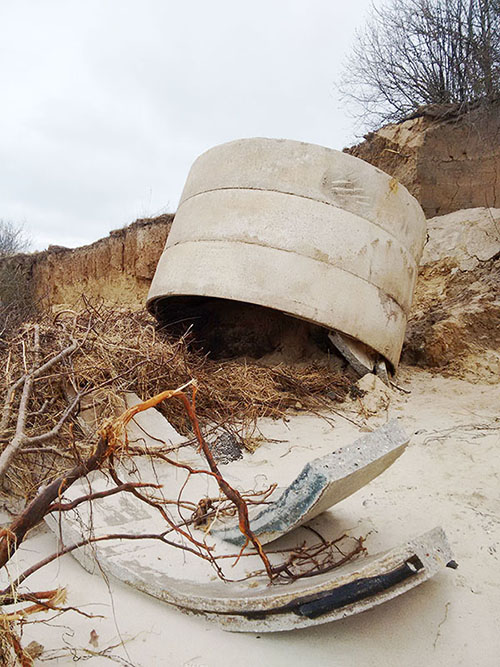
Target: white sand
[448,476]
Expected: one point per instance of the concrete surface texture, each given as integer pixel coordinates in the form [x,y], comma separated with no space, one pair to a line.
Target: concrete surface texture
[447,476]
[161,570]
[325,230]
[324,482]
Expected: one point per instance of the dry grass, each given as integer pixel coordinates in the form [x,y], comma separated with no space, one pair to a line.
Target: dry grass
[123,351]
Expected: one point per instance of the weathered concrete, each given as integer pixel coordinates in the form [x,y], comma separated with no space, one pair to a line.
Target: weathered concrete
[244,605]
[291,224]
[324,482]
[292,283]
[182,580]
[312,172]
[431,550]
[150,428]
[298,228]
[451,619]
[248,606]
[361,358]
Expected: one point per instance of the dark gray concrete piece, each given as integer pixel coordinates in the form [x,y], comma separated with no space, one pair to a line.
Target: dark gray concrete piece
[429,552]
[226,448]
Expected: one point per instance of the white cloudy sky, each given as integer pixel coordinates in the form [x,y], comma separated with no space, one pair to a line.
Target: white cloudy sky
[106,103]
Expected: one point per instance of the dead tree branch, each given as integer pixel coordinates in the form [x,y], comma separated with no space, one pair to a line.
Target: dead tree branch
[37,372]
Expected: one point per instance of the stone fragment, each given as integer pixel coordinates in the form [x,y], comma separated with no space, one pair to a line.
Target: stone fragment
[324,482]
[470,237]
[357,354]
[226,448]
[376,395]
[381,372]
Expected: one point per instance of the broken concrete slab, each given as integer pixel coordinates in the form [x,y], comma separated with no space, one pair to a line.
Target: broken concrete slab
[357,354]
[350,589]
[323,483]
[150,428]
[252,605]
[147,429]
[249,603]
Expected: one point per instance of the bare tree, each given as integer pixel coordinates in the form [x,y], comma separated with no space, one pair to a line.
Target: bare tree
[413,53]
[12,239]
[16,290]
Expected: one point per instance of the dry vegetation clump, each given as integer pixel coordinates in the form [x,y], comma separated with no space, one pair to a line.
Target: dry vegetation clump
[116,351]
[57,366]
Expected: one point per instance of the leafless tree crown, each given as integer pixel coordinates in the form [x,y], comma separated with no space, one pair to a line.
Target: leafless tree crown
[12,239]
[413,53]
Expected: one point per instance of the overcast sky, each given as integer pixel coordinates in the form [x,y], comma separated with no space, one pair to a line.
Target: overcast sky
[106,104]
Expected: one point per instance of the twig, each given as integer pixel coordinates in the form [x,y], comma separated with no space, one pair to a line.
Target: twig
[92,540]
[6,410]
[128,486]
[20,438]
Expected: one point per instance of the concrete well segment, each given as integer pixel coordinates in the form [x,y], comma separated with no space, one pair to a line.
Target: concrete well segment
[300,228]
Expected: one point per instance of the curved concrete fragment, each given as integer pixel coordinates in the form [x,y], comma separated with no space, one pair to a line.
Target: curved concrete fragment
[383,577]
[254,605]
[303,229]
[324,482]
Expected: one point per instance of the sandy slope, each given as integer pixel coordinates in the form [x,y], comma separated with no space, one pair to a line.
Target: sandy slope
[448,476]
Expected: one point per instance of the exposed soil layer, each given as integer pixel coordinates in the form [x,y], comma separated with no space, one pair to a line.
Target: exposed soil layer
[455,321]
[116,269]
[447,161]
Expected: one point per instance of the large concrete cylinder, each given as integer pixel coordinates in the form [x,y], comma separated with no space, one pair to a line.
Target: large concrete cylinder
[300,228]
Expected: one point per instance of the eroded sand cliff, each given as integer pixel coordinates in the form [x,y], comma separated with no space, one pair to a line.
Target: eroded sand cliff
[448,162]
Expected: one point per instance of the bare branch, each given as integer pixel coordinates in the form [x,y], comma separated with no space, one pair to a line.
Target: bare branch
[6,410]
[414,53]
[128,486]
